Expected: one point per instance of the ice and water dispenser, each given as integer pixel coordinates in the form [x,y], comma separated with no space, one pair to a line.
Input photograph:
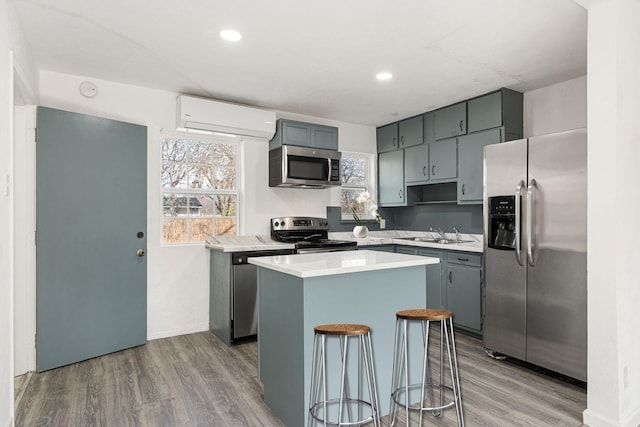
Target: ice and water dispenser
[502,222]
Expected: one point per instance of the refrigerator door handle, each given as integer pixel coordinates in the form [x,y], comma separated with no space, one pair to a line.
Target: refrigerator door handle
[518,230]
[530,210]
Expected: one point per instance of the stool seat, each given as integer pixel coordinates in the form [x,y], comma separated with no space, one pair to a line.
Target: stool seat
[342,329]
[424,314]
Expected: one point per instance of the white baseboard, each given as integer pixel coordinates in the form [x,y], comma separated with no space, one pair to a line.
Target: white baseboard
[175,332]
[633,419]
[9,422]
[591,418]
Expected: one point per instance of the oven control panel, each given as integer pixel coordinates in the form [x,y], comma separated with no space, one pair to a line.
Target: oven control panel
[299,223]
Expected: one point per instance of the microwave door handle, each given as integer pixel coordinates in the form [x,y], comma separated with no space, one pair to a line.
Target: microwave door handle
[530,225]
[518,230]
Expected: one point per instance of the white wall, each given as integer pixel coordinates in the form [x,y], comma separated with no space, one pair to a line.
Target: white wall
[178,276]
[613,396]
[555,108]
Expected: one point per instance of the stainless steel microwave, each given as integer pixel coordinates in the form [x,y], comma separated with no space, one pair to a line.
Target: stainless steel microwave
[305,167]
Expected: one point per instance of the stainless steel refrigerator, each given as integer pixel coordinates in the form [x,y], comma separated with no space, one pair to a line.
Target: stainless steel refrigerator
[535,238]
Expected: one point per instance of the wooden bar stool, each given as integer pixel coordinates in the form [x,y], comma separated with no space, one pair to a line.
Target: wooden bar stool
[401,386]
[339,411]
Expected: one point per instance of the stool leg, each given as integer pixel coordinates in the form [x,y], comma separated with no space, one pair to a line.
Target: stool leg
[406,369]
[425,370]
[315,372]
[324,380]
[371,379]
[395,374]
[343,347]
[453,367]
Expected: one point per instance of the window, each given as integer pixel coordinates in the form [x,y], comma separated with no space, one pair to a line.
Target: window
[357,176]
[199,187]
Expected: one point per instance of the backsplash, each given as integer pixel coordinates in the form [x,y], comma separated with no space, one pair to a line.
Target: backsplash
[466,218]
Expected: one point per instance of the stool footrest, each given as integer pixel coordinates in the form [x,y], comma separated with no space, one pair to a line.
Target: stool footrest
[314,409]
[413,407]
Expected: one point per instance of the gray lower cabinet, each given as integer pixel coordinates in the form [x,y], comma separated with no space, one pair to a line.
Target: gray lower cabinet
[470,163]
[451,121]
[291,132]
[391,187]
[443,160]
[435,290]
[463,278]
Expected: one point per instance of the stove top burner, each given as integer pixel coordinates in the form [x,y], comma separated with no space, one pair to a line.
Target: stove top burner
[306,233]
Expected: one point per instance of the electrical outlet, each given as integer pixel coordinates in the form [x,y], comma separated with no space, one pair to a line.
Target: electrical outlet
[382,224]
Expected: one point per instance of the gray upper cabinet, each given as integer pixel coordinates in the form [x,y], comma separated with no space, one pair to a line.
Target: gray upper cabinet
[387,138]
[410,132]
[290,132]
[496,109]
[470,163]
[416,164]
[443,160]
[451,121]
[402,134]
[391,189]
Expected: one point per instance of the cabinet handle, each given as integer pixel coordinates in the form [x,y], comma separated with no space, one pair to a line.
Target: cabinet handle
[461,125]
[394,141]
[401,139]
[463,189]
[451,277]
[424,170]
[400,194]
[463,259]
[433,170]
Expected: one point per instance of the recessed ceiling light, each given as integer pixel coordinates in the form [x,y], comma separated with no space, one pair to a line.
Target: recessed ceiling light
[230,35]
[384,76]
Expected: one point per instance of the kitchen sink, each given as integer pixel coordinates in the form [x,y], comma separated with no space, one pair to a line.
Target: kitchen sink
[432,240]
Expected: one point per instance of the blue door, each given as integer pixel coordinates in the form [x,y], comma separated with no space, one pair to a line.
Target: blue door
[91,237]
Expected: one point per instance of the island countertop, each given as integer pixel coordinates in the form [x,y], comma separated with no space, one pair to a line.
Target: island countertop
[340,262]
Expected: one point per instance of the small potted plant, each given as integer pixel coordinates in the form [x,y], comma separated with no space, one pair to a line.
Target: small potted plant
[364,200]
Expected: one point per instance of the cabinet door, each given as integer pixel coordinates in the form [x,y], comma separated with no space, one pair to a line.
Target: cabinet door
[410,132]
[387,137]
[296,133]
[325,137]
[416,164]
[429,126]
[484,112]
[464,295]
[451,121]
[435,291]
[443,159]
[470,163]
[391,178]
[379,248]
[409,250]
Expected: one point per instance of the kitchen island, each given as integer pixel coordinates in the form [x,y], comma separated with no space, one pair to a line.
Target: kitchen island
[298,292]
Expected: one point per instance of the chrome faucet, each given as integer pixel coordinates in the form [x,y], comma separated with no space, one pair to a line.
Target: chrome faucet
[439,231]
[457,234]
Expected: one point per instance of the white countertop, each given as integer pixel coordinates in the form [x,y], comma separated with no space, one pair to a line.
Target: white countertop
[394,237]
[383,237]
[330,263]
[244,243]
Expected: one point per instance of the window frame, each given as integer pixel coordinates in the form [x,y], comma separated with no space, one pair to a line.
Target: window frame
[212,138]
[370,185]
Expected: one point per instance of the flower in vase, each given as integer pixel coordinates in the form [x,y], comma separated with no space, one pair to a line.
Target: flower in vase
[364,199]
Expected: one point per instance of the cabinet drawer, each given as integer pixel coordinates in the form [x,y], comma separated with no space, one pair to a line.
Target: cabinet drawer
[409,250]
[464,258]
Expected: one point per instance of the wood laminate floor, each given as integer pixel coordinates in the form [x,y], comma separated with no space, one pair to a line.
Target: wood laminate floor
[195,380]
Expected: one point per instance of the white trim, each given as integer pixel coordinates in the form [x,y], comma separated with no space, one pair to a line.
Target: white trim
[10,421]
[10,175]
[202,327]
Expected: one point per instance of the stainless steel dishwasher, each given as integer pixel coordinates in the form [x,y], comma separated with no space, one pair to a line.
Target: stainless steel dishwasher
[244,293]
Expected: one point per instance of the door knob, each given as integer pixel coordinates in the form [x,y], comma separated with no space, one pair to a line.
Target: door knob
[140,252]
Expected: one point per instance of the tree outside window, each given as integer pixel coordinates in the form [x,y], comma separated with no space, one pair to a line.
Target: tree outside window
[199,187]
[356,178]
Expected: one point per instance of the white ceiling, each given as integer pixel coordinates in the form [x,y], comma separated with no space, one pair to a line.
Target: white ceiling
[317,58]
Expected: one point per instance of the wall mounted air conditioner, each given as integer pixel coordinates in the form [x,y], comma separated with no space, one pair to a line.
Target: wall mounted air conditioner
[217,116]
